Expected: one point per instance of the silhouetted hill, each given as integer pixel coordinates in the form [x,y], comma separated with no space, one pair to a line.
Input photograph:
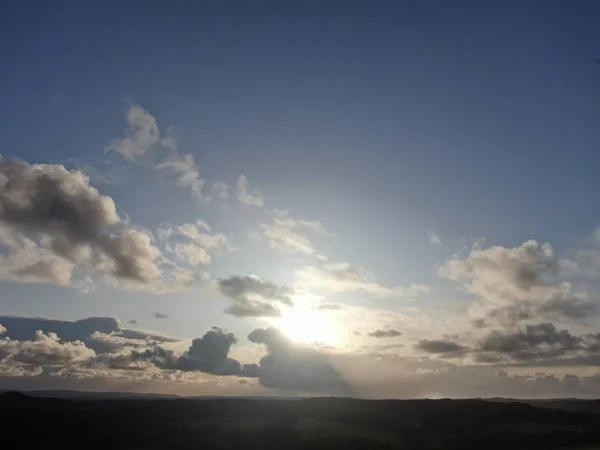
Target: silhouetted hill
[316,423]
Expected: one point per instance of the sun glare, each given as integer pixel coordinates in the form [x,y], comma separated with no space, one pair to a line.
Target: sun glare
[307,325]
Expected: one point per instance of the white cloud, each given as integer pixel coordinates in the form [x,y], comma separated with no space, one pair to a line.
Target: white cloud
[219,191]
[516,284]
[45,349]
[244,196]
[194,242]
[342,277]
[141,134]
[288,234]
[186,172]
[434,238]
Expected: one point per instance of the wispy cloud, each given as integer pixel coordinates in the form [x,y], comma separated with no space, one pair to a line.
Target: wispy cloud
[247,197]
[288,234]
[140,135]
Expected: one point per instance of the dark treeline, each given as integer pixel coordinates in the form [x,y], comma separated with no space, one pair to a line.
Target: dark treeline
[324,423]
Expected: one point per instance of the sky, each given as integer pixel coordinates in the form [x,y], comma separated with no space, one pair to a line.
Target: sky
[369,199]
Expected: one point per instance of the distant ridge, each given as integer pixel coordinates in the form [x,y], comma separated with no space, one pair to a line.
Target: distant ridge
[94,395]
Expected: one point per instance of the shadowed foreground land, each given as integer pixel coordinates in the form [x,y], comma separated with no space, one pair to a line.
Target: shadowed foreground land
[45,423]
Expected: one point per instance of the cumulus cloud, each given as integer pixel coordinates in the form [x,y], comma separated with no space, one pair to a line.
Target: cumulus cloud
[140,135]
[2,329]
[159,315]
[208,354]
[26,262]
[44,349]
[254,297]
[385,334]
[290,235]
[114,342]
[292,367]
[527,343]
[517,284]
[247,197]
[53,220]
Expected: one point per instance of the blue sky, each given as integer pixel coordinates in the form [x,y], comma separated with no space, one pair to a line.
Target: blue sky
[398,156]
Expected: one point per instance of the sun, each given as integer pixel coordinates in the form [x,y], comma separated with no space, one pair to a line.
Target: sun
[304,324]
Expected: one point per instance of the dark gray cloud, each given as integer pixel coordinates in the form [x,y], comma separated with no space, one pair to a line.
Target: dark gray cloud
[569,307]
[385,334]
[25,328]
[253,308]
[288,366]
[208,354]
[529,342]
[159,315]
[74,219]
[254,297]
[443,347]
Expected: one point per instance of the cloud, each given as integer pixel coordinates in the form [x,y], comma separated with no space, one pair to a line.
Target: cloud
[25,328]
[114,342]
[141,134]
[2,329]
[159,315]
[328,306]
[291,367]
[186,172]
[244,196]
[219,191]
[443,347]
[44,349]
[385,334]
[194,243]
[434,238]
[517,284]
[25,261]
[253,308]
[290,235]
[527,343]
[254,297]
[208,354]
[131,256]
[53,220]
[342,277]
